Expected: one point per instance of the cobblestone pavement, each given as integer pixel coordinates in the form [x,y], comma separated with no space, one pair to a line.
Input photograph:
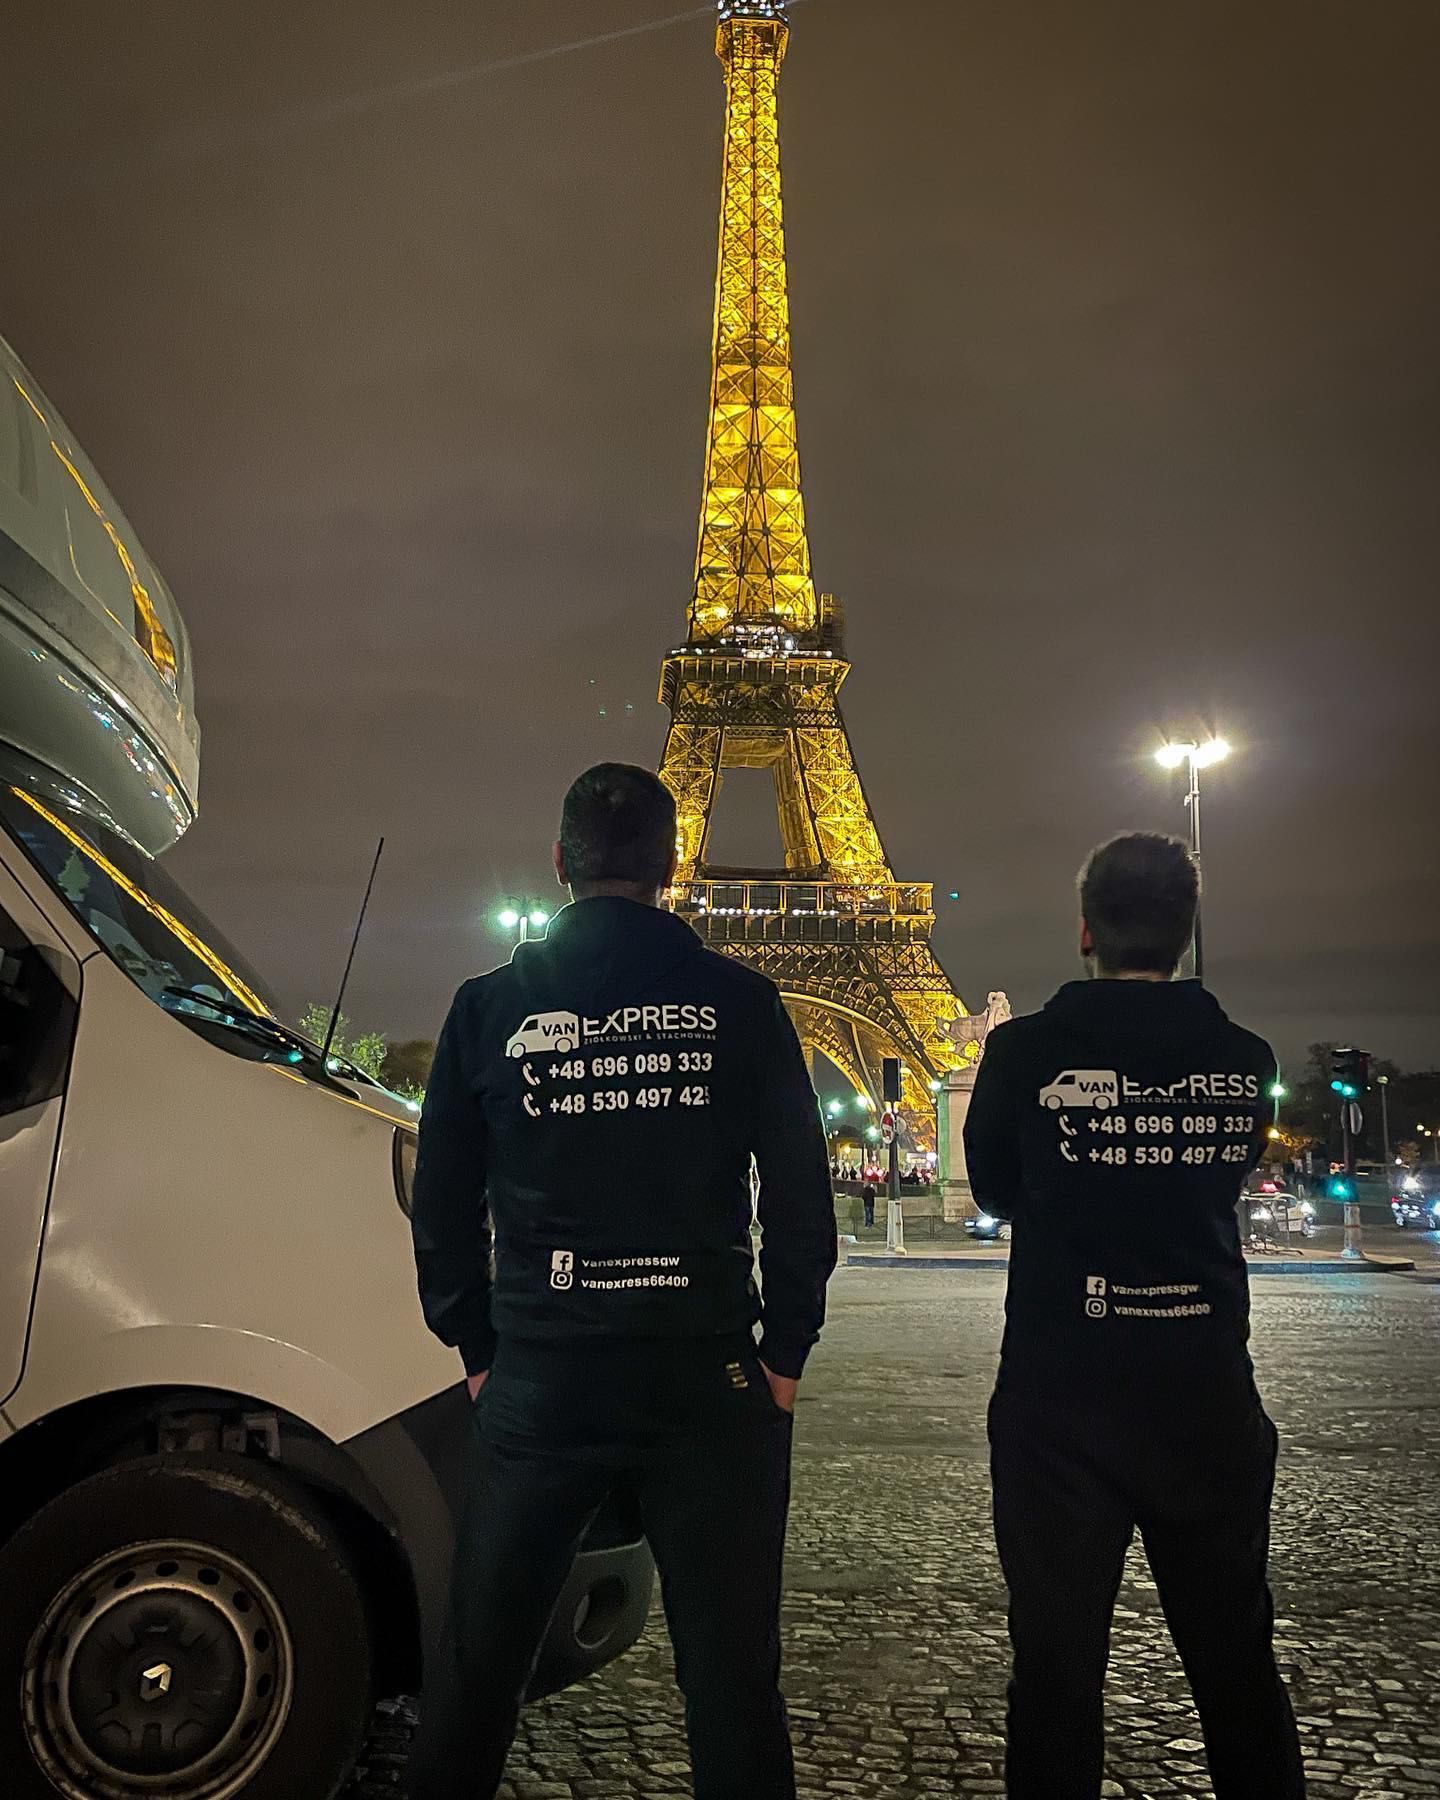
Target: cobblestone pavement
[896,1655]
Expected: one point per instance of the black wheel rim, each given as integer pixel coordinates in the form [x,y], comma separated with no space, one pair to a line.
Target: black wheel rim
[164,1671]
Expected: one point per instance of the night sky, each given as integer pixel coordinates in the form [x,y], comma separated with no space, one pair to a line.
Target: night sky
[1116,331]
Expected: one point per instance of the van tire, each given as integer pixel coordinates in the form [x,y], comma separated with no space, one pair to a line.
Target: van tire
[134,1546]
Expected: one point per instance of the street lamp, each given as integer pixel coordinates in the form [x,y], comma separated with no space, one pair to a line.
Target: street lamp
[1196,757]
[1383,1083]
[524,916]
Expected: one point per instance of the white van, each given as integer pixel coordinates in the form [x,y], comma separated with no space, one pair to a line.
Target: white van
[230,1451]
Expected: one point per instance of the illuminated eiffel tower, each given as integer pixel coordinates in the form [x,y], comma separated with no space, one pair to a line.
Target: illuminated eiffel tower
[756,684]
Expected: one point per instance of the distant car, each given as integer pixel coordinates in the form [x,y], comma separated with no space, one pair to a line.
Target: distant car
[1273,1211]
[1415,1202]
[988,1229]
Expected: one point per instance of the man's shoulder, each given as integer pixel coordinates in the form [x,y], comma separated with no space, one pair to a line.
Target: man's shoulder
[737,980]
[1016,1037]
[1251,1048]
[478,993]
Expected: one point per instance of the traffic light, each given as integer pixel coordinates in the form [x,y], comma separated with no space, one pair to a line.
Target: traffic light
[1349,1071]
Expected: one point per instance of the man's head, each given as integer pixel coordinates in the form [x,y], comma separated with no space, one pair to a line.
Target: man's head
[617,834]
[1138,898]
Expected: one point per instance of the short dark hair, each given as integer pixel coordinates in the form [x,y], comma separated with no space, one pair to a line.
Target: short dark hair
[1139,894]
[618,824]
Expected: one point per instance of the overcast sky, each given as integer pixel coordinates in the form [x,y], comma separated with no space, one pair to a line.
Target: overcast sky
[1119,390]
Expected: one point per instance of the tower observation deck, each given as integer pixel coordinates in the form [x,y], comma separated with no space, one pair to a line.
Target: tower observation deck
[756,682]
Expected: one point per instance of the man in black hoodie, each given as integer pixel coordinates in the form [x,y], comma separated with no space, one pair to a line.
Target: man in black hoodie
[1115,1128]
[591,1119]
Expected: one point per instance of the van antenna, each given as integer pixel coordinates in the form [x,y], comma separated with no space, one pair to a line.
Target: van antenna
[350,959]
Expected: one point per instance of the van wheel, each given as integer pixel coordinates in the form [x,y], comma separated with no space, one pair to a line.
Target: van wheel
[184,1627]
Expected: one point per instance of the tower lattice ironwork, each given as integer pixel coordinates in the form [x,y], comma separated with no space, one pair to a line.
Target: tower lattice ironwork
[756,684]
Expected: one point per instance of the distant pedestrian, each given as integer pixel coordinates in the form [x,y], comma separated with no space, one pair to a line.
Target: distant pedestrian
[1116,1129]
[867,1196]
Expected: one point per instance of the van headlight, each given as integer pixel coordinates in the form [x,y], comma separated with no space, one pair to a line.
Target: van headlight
[402,1160]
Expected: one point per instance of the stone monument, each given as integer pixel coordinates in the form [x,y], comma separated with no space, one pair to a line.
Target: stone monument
[969,1034]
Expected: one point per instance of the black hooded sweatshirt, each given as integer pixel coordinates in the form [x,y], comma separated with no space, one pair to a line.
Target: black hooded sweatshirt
[591,1115]
[1116,1129]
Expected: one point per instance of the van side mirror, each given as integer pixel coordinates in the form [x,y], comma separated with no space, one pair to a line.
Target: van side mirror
[37,1018]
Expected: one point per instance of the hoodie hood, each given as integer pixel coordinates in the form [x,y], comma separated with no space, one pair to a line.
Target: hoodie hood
[607,951]
[1144,1014]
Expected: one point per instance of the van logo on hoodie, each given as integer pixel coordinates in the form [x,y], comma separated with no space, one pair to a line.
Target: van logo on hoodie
[541,1032]
[1099,1088]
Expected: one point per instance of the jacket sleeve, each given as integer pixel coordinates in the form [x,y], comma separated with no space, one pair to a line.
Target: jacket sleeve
[797,1207]
[450,1221]
[1268,1074]
[992,1130]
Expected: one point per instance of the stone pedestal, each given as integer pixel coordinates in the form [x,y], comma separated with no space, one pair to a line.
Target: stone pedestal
[955,1094]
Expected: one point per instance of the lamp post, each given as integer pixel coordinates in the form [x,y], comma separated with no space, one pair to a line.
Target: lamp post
[1383,1083]
[522,915]
[1196,757]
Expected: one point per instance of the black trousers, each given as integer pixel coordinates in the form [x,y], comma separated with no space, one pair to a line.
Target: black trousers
[691,1430]
[1069,1495]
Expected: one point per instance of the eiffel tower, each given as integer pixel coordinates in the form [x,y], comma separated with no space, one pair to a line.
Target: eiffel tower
[756,684]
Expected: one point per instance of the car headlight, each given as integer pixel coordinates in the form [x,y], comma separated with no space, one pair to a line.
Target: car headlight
[402,1160]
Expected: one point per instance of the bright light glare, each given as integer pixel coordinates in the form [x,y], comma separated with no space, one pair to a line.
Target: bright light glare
[509,919]
[1170,756]
[539,918]
[1213,752]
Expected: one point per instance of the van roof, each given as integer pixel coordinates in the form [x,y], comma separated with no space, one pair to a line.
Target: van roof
[78,594]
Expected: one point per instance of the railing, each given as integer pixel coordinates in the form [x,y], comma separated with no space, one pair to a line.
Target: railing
[761,899]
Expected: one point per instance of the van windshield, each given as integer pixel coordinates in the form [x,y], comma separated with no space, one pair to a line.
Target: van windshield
[129,905]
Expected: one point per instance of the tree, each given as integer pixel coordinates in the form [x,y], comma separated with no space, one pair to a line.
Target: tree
[406,1069]
[366,1050]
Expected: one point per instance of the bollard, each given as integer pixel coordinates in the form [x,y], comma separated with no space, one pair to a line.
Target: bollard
[894,1227]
